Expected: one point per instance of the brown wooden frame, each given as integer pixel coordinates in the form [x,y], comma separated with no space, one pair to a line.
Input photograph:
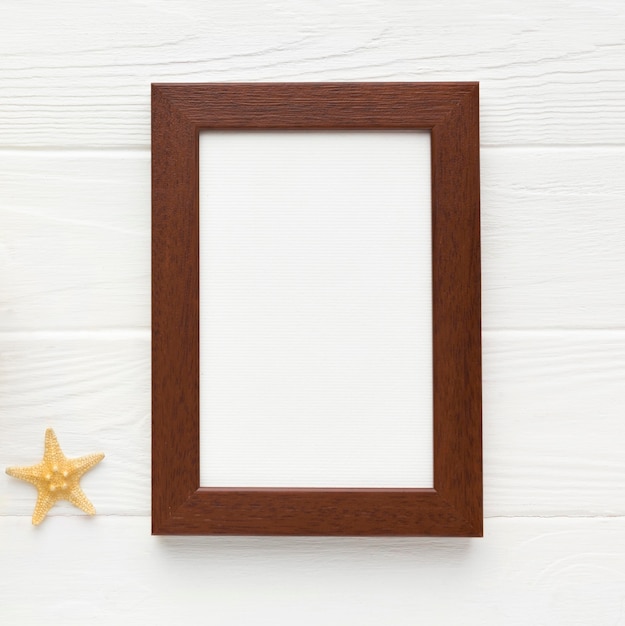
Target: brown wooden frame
[453,507]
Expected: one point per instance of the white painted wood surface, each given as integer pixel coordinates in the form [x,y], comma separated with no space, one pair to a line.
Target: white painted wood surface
[75,240]
[74,310]
[554,432]
[551,71]
[527,571]
[552,238]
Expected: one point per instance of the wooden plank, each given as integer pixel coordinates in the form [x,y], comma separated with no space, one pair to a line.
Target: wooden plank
[78,75]
[75,242]
[95,392]
[553,238]
[109,570]
[553,423]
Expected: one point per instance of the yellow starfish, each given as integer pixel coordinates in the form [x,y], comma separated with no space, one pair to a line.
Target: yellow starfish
[57,478]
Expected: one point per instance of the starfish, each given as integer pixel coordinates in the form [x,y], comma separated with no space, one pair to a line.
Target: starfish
[57,478]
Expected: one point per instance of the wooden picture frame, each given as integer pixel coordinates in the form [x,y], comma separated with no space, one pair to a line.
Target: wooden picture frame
[450,111]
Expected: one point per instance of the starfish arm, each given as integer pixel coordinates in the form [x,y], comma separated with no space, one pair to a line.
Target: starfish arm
[79,499]
[44,504]
[85,463]
[32,474]
[52,451]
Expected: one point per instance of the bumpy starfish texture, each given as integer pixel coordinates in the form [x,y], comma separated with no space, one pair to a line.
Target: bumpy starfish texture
[57,478]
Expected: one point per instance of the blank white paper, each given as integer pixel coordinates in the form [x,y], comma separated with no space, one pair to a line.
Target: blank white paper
[315,322]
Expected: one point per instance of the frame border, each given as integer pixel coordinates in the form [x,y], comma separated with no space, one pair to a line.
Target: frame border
[450,111]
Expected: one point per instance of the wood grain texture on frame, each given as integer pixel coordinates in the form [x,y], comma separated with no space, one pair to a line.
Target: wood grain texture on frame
[450,111]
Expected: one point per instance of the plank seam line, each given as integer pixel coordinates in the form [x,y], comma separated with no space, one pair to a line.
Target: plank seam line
[144,331]
[557,329]
[102,333]
[555,517]
[486,518]
[145,148]
[86,149]
[553,146]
